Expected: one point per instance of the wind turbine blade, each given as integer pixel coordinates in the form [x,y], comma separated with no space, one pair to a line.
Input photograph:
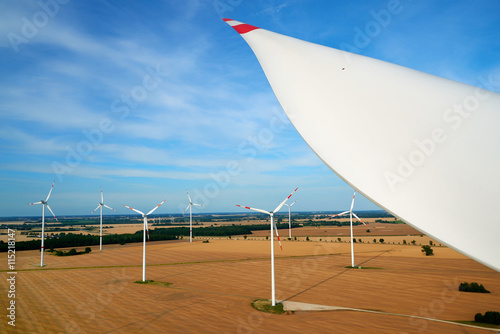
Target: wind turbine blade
[277,235]
[142,213]
[286,199]
[189,197]
[353,196]
[340,214]
[197,204]
[293,203]
[156,207]
[48,207]
[403,172]
[358,218]
[50,191]
[109,207]
[96,208]
[186,208]
[102,197]
[254,209]
[34,203]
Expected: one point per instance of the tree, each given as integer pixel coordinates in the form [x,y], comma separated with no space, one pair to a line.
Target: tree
[381,240]
[374,241]
[368,231]
[413,242]
[427,250]
[339,239]
[404,242]
[88,249]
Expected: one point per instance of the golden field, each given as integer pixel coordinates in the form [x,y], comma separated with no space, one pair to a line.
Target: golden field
[213,285]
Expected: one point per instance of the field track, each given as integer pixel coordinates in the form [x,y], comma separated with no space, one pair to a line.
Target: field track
[214,283]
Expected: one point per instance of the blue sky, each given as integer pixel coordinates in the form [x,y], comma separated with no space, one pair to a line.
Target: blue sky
[148,99]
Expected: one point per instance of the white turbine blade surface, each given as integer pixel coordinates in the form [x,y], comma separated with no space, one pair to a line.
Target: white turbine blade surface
[277,235]
[186,208]
[189,197]
[197,204]
[352,203]
[156,207]
[109,207]
[48,207]
[96,208]
[292,203]
[254,209]
[340,214]
[441,145]
[102,197]
[286,199]
[358,218]
[142,213]
[50,191]
[34,203]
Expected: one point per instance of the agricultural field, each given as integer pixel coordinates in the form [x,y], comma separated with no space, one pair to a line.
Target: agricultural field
[213,285]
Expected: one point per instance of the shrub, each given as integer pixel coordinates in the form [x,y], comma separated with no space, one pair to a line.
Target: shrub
[381,241]
[88,249]
[307,238]
[206,241]
[472,287]
[489,317]
[413,242]
[72,251]
[374,241]
[244,237]
[404,242]
[339,239]
[427,250]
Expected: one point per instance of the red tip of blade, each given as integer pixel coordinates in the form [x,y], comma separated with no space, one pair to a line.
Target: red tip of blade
[241,28]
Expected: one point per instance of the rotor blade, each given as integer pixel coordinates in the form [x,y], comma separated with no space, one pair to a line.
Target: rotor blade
[353,196]
[254,209]
[34,203]
[197,204]
[292,203]
[286,199]
[96,208]
[48,207]
[52,187]
[340,214]
[134,209]
[187,208]
[277,235]
[189,197]
[358,218]
[109,208]
[156,207]
[102,197]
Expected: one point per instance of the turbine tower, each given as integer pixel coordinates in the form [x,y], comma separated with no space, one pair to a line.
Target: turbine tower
[273,225]
[190,216]
[350,215]
[145,216]
[101,204]
[45,204]
[290,220]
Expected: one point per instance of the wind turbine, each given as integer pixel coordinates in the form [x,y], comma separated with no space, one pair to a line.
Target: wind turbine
[190,216]
[101,204]
[145,216]
[273,288]
[289,220]
[351,214]
[45,204]
[403,172]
